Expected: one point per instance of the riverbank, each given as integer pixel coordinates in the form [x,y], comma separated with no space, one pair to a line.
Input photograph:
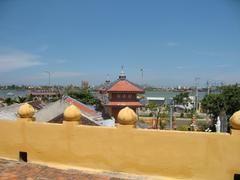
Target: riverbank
[165,94]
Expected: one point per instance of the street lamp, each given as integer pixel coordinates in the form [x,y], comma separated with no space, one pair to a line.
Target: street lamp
[196,96]
[49,77]
[142,74]
[171,113]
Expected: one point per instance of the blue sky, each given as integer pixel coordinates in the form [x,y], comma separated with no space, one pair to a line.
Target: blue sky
[173,41]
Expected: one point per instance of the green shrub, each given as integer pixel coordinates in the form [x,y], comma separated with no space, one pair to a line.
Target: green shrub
[202,125]
[183,128]
[182,115]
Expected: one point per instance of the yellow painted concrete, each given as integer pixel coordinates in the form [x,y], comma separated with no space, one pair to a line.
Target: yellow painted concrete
[26,111]
[235,120]
[72,113]
[170,154]
[127,116]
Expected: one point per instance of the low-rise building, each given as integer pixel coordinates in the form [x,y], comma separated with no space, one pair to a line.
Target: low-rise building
[122,93]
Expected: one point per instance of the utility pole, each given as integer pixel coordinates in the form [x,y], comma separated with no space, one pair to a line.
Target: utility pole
[108,79]
[49,77]
[171,114]
[142,74]
[222,83]
[208,87]
[196,97]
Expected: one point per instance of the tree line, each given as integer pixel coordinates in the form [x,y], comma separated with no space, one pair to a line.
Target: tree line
[227,101]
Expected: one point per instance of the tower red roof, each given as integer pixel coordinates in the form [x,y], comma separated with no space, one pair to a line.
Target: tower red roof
[125,86]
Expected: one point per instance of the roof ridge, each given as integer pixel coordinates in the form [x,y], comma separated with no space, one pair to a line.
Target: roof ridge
[138,86]
[130,85]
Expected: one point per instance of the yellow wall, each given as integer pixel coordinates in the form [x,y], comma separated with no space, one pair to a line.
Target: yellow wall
[171,154]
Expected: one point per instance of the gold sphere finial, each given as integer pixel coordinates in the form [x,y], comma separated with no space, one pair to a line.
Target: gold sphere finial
[72,113]
[26,111]
[127,116]
[235,120]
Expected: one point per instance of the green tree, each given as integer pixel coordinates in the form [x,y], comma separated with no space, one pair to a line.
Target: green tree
[152,106]
[21,99]
[83,96]
[9,101]
[30,97]
[227,100]
[231,96]
[182,98]
[160,116]
[155,110]
[164,117]
[213,104]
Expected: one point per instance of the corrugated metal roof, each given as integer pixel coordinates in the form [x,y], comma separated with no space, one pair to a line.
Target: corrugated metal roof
[9,112]
[156,98]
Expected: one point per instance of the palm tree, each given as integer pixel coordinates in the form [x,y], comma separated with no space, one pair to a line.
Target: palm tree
[8,101]
[21,99]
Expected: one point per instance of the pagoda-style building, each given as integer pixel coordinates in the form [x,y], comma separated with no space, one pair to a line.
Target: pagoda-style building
[122,93]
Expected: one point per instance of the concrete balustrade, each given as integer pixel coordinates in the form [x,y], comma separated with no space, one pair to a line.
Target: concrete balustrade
[26,112]
[71,116]
[166,154]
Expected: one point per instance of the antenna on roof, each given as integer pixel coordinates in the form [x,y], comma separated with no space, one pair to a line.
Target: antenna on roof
[208,87]
[108,79]
[122,75]
[122,67]
[142,74]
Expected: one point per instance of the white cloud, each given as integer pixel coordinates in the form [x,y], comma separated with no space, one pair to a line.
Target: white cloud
[172,44]
[15,60]
[65,74]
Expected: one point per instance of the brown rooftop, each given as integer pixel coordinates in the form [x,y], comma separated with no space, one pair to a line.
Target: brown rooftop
[15,170]
[125,86]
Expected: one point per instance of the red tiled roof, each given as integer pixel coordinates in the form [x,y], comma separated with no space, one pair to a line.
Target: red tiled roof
[124,104]
[124,86]
[81,106]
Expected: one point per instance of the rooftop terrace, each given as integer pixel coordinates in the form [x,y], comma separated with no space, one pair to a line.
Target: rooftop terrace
[19,170]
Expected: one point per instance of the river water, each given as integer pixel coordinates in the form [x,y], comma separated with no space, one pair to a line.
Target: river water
[12,93]
[15,93]
[168,95]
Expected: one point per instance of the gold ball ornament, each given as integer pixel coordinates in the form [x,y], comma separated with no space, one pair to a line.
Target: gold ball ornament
[72,113]
[26,111]
[127,116]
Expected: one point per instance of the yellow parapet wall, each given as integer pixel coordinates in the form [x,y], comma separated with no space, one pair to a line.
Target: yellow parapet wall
[170,154]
